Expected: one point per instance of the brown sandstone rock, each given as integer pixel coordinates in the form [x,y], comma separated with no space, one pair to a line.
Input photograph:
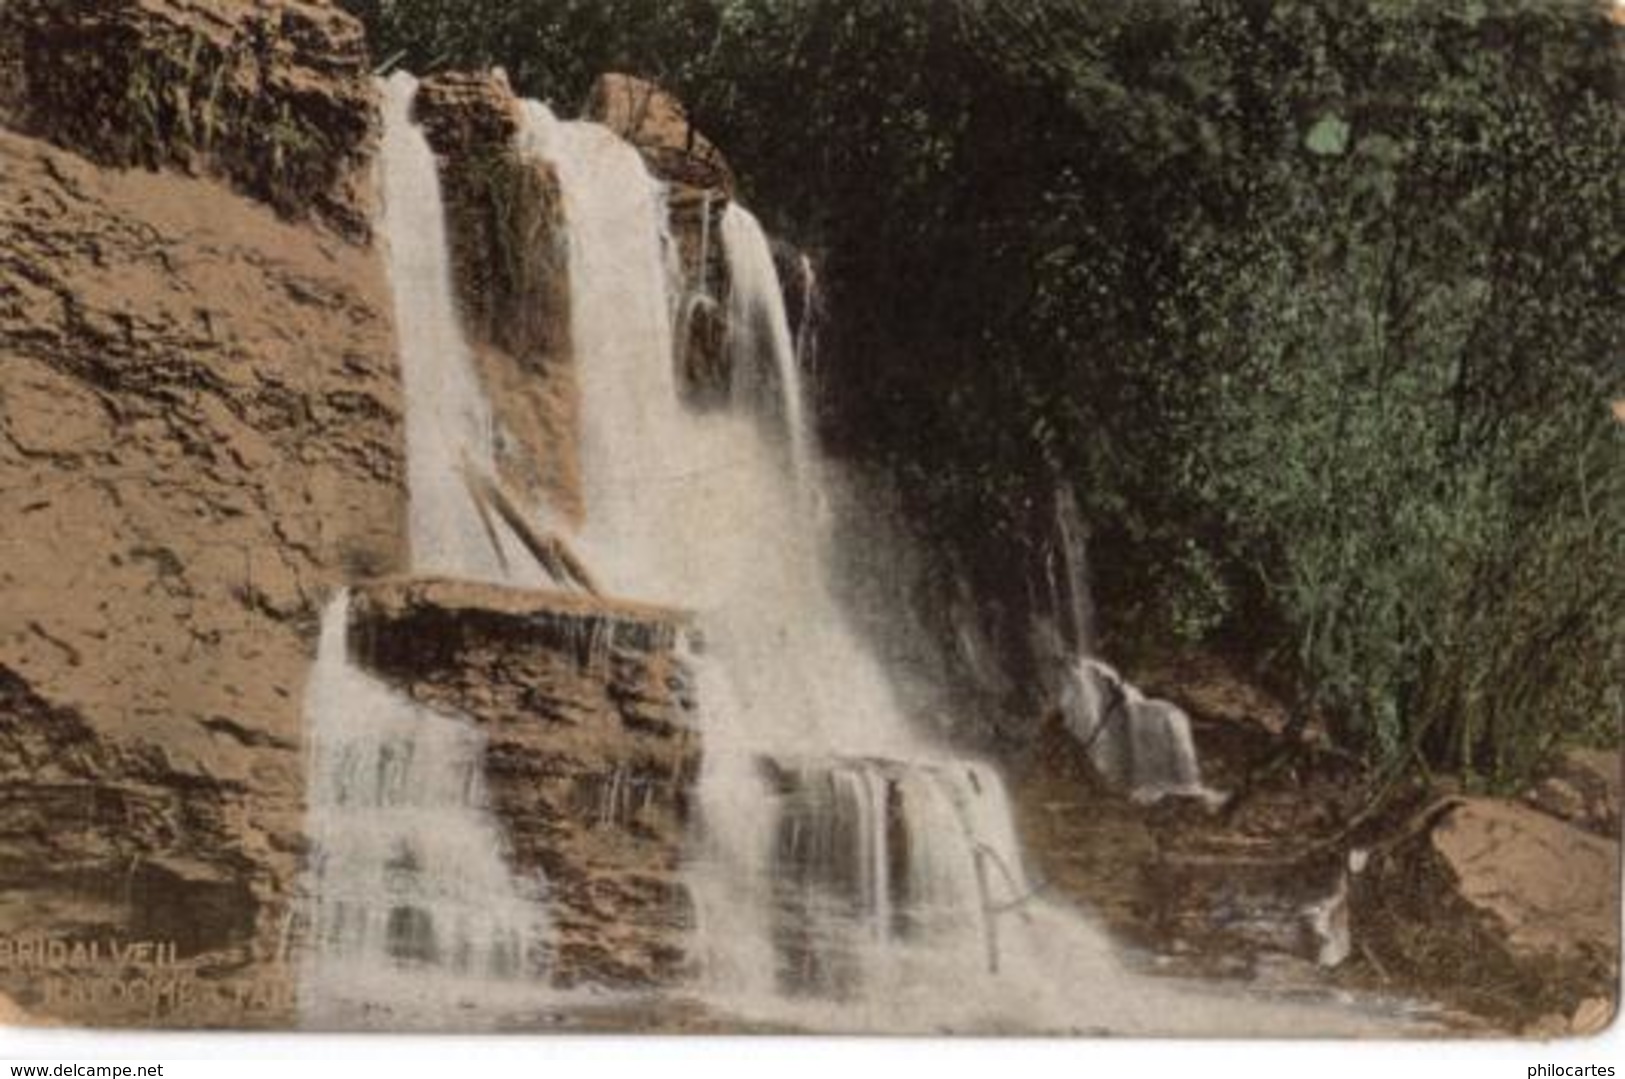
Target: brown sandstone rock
[462,111]
[200,434]
[592,751]
[657,123]
[274,95]
[506,220]
[1550,891]
[1501,907]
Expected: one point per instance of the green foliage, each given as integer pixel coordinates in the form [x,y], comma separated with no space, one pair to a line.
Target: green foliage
[1315,304]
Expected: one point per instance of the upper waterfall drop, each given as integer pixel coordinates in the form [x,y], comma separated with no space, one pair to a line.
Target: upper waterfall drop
[762,353]
[636,461]
[450,431]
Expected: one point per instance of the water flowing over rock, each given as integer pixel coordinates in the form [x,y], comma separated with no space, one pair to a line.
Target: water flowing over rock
[586,712]
[763,362]
[1138,744]
[410,871]
[510,266]
[735,542]
[847,872]
[450,430]
[416,908]
[699,186]
[582,711]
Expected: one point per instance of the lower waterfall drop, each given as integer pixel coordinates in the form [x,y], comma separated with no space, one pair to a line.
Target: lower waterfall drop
[415,911]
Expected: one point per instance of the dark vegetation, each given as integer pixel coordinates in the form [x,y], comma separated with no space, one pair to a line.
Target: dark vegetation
[1315,305]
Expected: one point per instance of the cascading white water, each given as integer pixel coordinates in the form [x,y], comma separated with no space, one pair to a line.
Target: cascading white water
[762,353]
[848,872]
[413,910]
[699,509]
[1139,744]
[450,431]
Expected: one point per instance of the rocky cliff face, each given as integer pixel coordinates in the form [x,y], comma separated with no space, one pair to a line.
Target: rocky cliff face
[273,97]
[200,434]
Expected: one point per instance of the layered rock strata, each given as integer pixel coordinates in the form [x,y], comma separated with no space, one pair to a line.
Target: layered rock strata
[200,435]
[591,756]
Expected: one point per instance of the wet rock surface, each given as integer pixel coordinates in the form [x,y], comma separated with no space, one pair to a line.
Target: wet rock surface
[592,751]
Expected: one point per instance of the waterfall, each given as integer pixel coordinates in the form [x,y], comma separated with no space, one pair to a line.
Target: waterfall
[412,908]
[825,819]
[761,353]
[450,431]
[1139,744]
[848,871]
[415,909]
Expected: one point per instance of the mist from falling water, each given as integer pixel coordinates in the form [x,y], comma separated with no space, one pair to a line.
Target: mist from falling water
[414,916]
[848,872]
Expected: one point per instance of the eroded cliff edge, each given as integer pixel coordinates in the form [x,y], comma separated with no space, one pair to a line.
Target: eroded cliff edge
[200,435]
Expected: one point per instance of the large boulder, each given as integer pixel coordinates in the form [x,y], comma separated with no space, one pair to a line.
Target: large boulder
[274,95]
[1548,890]
[1500,907]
